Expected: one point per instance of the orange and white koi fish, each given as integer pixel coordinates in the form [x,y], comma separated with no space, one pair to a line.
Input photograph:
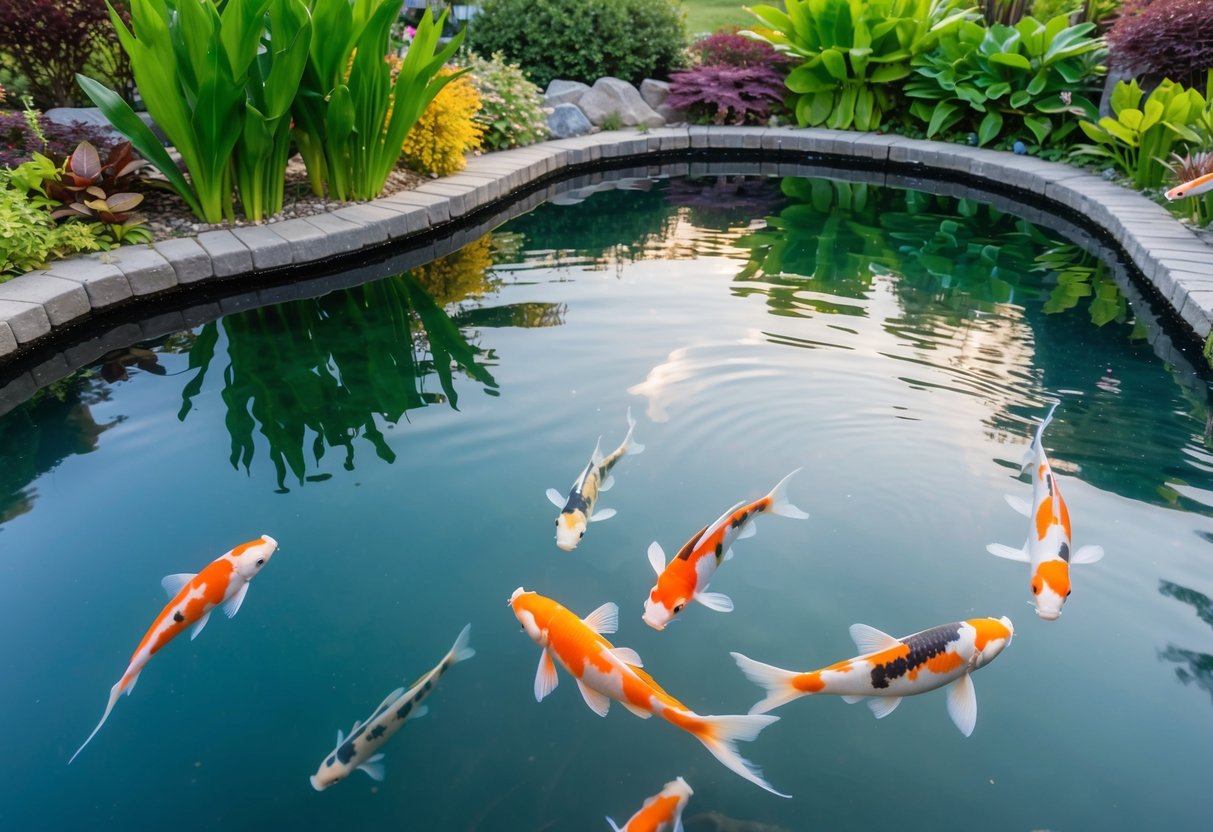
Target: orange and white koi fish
[577,510]
[686,577]
[1196,187]
[401,705]
[604,672]
[892,668]
[224,582]
[662,812]
[1048,545]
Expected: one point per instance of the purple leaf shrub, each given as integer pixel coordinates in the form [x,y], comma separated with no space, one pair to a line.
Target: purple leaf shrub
[726,94]
[728,48]
[18,143]
[1167,38]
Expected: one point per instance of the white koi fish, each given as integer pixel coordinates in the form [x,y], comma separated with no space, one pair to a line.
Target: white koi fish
[224,582]
[892,668]
[358,752]
[577,510]
[687,576]
[662,812]
[605,672]
[1196,187]
[1048,545]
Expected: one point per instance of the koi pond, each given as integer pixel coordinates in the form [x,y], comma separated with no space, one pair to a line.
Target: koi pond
[397,438]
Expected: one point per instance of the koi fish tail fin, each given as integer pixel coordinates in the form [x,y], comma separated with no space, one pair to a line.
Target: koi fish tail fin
[777,682]
[630,445]
[460,652]
[1037,447]
[779,500]
[115,692]
[719,734]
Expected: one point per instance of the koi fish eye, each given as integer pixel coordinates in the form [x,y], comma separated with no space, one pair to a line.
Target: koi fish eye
[260,561]
[581,535]
[678,608]
[1069,593]
[1035,586]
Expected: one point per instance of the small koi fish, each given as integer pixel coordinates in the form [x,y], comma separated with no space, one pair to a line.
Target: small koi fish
[892,668]
[1048,548]
[358,752]
[577,510]
[662,812]
[224,582]
[686,577]
[1196,187]
[604,672]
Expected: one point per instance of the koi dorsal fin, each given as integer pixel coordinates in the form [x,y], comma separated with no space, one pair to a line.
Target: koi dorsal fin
[604,620]
[174,583]
[870,640]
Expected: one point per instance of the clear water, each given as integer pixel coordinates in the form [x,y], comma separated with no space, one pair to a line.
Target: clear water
[397,439]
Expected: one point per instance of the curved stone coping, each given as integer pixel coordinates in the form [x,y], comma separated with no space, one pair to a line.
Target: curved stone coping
[36,306]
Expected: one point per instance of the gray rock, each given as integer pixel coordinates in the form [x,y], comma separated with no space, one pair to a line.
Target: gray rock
[564,92]
[567,121]
[612,95]
[654,92]
[671,115]
[93,117]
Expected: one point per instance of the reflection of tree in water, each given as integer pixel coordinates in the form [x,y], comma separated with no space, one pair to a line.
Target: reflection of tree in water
[1195,667]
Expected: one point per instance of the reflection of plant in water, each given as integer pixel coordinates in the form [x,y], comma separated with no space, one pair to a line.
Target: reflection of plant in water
[721,203]
[1081,274]
[1196,667]
[461,274]
[329,368]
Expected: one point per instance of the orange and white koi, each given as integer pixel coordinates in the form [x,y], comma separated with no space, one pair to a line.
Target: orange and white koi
[224,582]
[687,576]
[604,672]
[1196,187]
[1048,546]
[892,668]
[358,752]
[662,812]
[577,510]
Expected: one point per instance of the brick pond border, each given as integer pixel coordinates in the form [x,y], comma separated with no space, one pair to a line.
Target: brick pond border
[258,265]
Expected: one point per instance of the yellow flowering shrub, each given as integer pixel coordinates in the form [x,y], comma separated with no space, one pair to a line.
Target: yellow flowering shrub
[446,130]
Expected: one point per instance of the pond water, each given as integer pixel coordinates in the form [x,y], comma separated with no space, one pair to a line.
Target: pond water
[397,439]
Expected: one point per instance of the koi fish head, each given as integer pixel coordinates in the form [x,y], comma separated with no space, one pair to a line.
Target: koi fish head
[332,771]
[252,556]
[533,612]
[1050,588]
[679,788]
[992,637]
[570,528]
[659,612]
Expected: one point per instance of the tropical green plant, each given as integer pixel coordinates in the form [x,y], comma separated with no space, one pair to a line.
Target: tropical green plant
[1025,81]
[1144,129]
[28,235]
[350,119]
[854,54]
[511,107]
[92,189]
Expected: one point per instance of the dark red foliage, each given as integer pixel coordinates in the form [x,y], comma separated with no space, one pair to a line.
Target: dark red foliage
[1167,38]
[727,48]
[727,94]
[18,143]
[49,41]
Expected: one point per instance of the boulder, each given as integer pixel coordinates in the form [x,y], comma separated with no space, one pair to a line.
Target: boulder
[612,95]
[564,92]
[671,115]
[93,117]
[567,120]
[654,92]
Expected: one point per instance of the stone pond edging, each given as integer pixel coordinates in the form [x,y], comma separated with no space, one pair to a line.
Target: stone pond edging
[37,306]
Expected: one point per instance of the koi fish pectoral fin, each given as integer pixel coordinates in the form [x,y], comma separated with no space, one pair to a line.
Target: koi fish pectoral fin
[1001,551]
[197,628]
[608,483]
[717,601]
[614,826]
[604,620]
[640,712]
[599,703]
[1019,504]
[232,605]
[870,640]
[419,712]
[628,656]
[851,700]
[1086,554]
[173,583]
[374,768]
[962,704]
[602,514]
[657,557]
[556,498]
[545,678]
[882,706]
[748,530]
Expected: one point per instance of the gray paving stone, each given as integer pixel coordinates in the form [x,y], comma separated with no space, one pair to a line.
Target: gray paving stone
[380,223]
[104,283]
[269,250]
[146,270]
[1197,312]
[345,236]
[8,341]
[228,255]
[457,196]
[306,242]
[190,261]
[437,207]
[64,300]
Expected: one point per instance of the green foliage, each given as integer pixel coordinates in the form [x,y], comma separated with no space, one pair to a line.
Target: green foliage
[1081,274]
[1026,81]
[612,121]
[350,119]
[1144,130]
[511,107]
[95,190]
[854,54]
[28,235]
[582,40]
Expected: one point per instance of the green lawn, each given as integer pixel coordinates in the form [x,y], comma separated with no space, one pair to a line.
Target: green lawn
[710,15]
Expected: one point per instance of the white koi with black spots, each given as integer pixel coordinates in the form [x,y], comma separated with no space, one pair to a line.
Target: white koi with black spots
[577,510]
[360,749]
